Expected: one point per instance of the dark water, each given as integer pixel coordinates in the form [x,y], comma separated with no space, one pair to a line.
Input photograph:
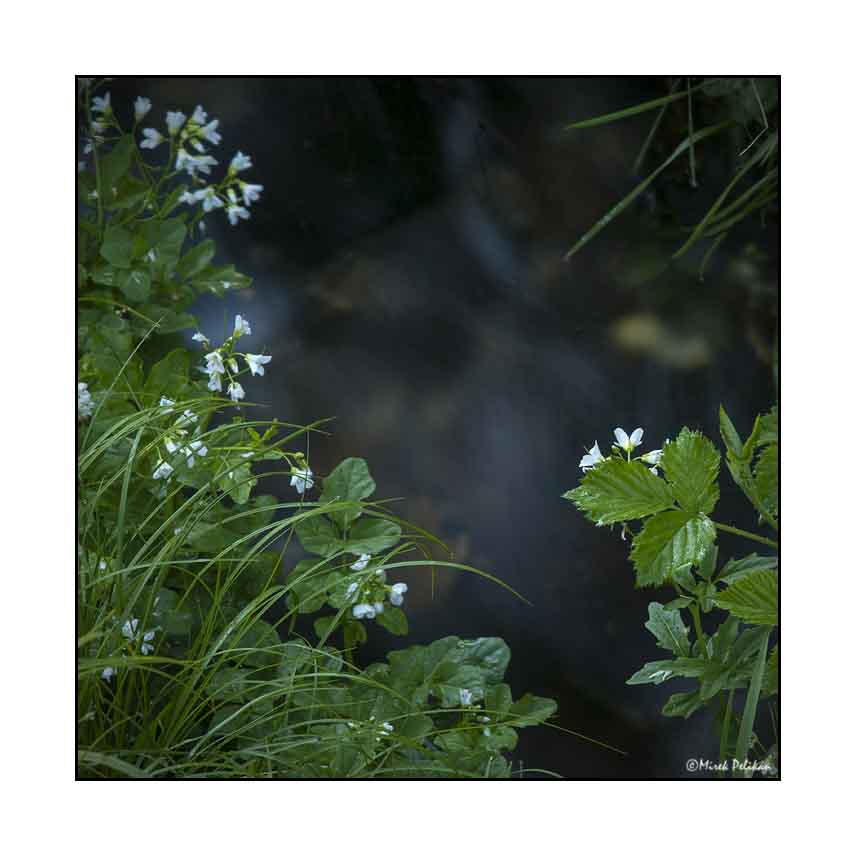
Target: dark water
[407,257]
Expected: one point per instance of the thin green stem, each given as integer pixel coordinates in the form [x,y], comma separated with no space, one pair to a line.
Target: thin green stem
[747,721]
[699,632]
[726,726]
[744,534]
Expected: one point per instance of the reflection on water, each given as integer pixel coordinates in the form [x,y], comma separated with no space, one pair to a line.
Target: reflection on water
[407,255]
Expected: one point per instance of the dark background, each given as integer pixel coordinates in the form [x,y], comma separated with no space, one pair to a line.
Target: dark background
[407,257]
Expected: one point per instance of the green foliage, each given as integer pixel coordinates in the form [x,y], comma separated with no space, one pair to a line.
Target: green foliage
[676,544]
[189,662]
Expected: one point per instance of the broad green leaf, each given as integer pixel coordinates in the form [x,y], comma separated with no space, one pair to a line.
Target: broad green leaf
[135,285]
[165,237]
[531,710]
[308,585]
[670,543]
[683,704]
[349,481]
[754,598]
[735,569]
[117,245]
[129,192]
[691,465]
[659,671]
[324,626]
[618,490]
[489,653]
[394,620]
[168,377]
[317,535]
[371,535]
[228,684]
[195,260]
[669,629]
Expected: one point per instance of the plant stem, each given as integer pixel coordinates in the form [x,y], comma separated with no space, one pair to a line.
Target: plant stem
[726,727]
[747,721]
[750,535]
[698,630]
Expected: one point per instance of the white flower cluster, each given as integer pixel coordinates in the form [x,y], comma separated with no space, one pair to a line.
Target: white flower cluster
[385,729]
[85,404]
[196,133]
[626,444]
[372,592]
[142,640]
[175,441]
[467,698]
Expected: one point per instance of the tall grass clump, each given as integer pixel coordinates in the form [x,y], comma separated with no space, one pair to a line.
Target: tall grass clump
[202,650]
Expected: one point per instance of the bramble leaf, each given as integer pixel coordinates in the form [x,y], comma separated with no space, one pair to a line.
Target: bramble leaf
[668,628]
[618,490]
[669,544]
[691,466]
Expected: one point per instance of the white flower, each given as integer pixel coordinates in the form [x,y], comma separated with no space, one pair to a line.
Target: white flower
[235,213]
[351,589]
[233,365]
[85,404]
[242,326]
[97,128]
[199,115]
[256,363]
[187,418]
[215,382]
[590,458]
[163,471]
[188,198]
[301,481]
[486,732]
[363,610]
[191,163]
[167,403]
[236,391]
[151,256]
[148,636]
[628,443]
[210,199]
[108,673]
[466,697]
[387,727]
[396,595]
[81,166]
[171,445]
[251,192]
[141,107]
[378,607]
[174,120]
[151,139]
[240,162]
[101,104]
[215,362]
[209,132]
[652,458]
[129,628]
[200,337]
[194,448]
[360,564]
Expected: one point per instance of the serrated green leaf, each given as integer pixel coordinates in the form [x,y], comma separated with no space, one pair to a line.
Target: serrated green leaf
[767,478]
[735,569]
[754,599]
[668,628]
[769,428]
[691,465]
[617,490]
[670,543]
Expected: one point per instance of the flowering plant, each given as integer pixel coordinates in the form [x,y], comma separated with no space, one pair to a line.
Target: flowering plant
[675,544]
[191,660]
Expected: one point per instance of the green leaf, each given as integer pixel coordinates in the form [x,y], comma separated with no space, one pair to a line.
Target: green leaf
[691,465]
[165,237]
[771,675]
[531,710]
[129,192]
[135,285]
[735,569]
[489,653]
[307,584]
[617,490]
[754,598]
[349,481]
[318,536]
[707,566]
[324,626]
[767,478]
[683,704]
[195,260]
[227,684]
[659,671]
[168,377]
[116,247]
[769,428]
[669,629]
[372,535]
[394,620]
[115,164]
[669,544]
